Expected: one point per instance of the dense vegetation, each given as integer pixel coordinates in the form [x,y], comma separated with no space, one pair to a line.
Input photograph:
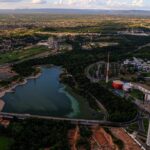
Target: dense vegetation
[5,143]
[143,53]
[38,134]
[84,140]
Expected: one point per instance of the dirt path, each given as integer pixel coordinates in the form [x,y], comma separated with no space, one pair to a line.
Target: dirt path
[2,103]
[73,137]
[129,143]
[102,139]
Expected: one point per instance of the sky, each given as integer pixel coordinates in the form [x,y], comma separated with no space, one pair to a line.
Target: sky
[77,4]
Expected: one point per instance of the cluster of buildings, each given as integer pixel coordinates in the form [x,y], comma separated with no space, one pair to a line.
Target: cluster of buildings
[139,64]
[5,45]
[56,43]
[136,32]
[12,43]
[126,87]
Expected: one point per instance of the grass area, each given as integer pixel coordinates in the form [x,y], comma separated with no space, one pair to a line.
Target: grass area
[137,94]
[132,127]
[135,127]
[143,53]
[5,143]
[21,54]
[146,124]
[147,74]
[85,111]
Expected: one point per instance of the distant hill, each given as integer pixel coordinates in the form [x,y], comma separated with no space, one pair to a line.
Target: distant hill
[77,11]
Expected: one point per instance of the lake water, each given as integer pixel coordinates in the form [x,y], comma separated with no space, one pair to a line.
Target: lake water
[44,96]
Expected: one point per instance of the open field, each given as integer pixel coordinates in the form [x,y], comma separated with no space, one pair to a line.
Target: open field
[21,54]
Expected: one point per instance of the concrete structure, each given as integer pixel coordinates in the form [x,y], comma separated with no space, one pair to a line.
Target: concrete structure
[126,87]
[147,97]
[107,71]
[74,121]
[144,106]
[148,135]
[142,89]
[53,43]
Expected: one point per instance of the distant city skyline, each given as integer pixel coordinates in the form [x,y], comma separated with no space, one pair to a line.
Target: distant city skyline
[77,4]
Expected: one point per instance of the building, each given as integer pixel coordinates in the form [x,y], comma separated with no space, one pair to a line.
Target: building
[117,84]
[127,87]
[138,63]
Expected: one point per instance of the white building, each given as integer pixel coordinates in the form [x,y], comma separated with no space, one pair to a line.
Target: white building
[138,63]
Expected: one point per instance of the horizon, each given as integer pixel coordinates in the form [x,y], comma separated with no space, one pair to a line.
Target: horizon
[76,4]
[75,9]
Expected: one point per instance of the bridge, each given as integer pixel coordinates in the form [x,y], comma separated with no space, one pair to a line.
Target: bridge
[145,107]
[73,121]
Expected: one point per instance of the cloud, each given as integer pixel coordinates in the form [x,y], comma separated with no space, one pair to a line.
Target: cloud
[78,2]
[5,1]
[39,1]
[137,3]
[81,4]
[95,3]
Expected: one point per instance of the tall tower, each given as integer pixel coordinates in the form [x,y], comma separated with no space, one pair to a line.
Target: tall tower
[107,71]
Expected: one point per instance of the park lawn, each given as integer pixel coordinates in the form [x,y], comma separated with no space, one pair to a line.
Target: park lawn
[5,143]
[21,54]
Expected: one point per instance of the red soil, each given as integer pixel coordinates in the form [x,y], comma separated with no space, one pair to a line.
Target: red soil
[129,143]
[73,136]
[102,139]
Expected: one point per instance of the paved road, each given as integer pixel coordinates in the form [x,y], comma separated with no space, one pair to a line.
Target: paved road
[75,121]
[143,46]
[143,106]
[91,78]
[102,108]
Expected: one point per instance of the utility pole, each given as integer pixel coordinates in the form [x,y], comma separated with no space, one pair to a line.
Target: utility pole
[107,71]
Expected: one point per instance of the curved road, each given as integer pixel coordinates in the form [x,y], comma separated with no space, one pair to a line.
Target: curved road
[74,121]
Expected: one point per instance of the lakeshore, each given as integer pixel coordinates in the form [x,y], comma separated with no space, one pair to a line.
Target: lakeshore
[12,86]
[44,94]
[65,102]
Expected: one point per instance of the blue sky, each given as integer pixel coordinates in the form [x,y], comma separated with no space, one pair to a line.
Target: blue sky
[78,4]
